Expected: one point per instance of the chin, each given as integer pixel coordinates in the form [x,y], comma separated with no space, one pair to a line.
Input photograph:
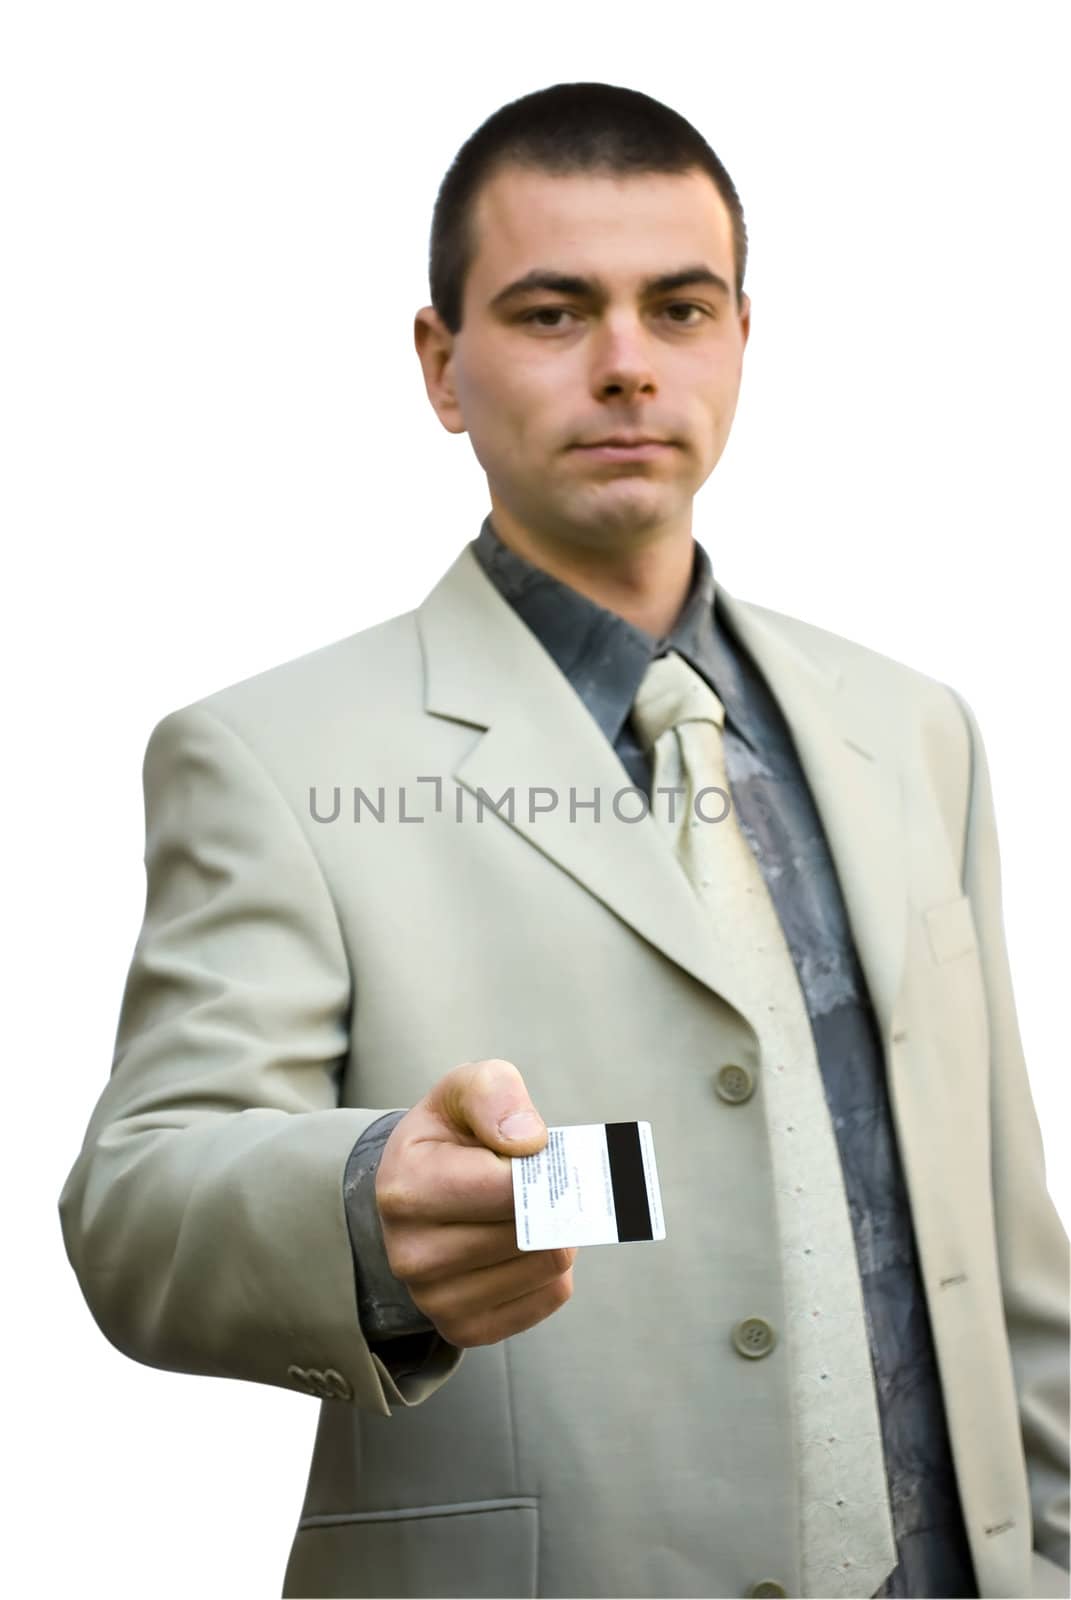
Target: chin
[627,503]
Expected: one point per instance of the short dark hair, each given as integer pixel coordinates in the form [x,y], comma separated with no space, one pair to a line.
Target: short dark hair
[567,128]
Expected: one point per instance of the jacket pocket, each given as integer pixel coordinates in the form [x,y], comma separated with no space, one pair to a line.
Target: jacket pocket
[475,1548]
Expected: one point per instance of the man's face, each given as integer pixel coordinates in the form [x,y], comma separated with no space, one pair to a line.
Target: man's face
[535,375]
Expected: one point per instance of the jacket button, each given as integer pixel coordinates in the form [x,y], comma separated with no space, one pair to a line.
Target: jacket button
[734,1083]
[337,1386]
[754,1337]
[327,1385]
[767,1586]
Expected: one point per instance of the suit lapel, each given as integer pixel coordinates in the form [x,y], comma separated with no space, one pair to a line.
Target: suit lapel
[485,668]
[855,781]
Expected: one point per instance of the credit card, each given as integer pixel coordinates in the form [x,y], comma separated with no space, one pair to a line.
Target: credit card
[592,1183]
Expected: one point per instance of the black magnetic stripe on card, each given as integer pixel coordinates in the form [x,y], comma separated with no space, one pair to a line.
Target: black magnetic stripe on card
[629,1183]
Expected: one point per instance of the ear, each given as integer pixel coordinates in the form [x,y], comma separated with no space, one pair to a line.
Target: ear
[745,316]
[435,347]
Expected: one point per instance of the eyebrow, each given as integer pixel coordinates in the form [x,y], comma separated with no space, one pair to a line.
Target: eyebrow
[543,278]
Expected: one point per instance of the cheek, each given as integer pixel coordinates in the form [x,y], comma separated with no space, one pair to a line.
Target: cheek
[523,403]
[528,385]
[726,373]
[719,398]
[498,389]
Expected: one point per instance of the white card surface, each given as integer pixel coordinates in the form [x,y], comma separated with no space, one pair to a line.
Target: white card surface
[592,1183]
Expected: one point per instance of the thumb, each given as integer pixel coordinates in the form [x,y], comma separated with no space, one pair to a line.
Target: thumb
[489,1100]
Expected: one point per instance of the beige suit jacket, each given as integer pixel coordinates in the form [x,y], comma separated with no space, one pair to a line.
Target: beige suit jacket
[296,976]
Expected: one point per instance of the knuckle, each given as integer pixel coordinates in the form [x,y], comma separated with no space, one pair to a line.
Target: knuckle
[464,1334]
[403,1262]
[397,1199]
[494,1070]
[448,1329]
[427,1308]
[561,1289]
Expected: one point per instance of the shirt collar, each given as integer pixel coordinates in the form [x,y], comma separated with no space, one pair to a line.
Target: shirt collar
[602,654]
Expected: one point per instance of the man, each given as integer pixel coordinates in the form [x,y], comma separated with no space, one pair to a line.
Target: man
[401,917]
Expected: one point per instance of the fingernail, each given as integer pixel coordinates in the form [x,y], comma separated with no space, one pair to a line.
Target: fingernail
[520,1125]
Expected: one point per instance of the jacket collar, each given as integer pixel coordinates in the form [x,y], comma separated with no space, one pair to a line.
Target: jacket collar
[603,655]
[485,668]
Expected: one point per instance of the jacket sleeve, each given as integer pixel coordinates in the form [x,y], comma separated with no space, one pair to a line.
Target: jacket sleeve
[204,1216]
[1032,1245]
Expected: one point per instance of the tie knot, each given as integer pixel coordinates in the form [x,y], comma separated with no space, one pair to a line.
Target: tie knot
[672,692]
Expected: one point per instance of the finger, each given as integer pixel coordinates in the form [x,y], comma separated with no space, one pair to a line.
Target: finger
[488,1100]
[480,1293]
[427,1255]
[514,1316]
[431,1180]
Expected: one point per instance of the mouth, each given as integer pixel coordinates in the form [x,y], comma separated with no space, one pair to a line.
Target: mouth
[648,451]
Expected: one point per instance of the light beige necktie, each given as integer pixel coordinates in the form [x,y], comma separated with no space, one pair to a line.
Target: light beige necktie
[847,1545]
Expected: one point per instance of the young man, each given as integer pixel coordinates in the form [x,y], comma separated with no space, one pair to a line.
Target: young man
[409,871]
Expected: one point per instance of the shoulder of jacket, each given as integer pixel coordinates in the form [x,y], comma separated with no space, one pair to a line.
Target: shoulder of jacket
[836,651]
[861,666]
[366,671]
[930,712]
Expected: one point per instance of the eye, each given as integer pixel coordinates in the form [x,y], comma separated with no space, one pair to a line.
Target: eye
[686,305]
[545,311]
[560,311]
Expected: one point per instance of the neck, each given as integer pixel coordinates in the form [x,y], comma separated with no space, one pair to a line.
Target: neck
[647,585]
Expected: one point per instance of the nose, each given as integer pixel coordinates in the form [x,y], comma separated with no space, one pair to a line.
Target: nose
[621,361]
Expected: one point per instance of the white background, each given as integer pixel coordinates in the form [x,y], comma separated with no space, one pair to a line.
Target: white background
[219,454]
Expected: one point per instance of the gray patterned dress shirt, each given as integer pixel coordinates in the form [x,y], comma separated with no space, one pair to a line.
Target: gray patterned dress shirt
[604,658]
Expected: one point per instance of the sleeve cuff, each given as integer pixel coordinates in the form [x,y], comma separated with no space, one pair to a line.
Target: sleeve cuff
[428,1361]
[385,1307]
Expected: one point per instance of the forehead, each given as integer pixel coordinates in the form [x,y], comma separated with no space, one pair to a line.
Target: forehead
[620,225]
